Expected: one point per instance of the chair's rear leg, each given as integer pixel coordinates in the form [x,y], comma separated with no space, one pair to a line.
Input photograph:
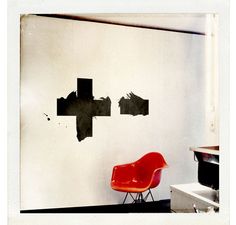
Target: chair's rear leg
[146,197]
[151,194]
[132,197]
[135,199]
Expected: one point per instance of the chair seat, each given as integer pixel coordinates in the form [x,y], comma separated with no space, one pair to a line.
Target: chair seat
[132,186]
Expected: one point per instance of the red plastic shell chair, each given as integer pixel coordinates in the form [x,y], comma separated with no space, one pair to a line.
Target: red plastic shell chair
[139,176]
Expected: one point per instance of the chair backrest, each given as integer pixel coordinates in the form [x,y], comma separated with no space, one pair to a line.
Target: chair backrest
[149,168]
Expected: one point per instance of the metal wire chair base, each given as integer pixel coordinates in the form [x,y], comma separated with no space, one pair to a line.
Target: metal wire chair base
[139,198]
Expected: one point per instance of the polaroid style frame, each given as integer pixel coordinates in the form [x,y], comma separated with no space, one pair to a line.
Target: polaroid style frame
[16,9]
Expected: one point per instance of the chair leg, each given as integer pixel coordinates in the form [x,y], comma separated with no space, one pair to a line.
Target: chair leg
[149,192]
[139,198]
[135,199]
[151,195]
[125,198]
[132,197]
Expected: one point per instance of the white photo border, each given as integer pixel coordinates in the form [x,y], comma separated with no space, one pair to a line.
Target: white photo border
[15,9]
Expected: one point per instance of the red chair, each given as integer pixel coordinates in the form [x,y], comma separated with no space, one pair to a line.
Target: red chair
[139,176]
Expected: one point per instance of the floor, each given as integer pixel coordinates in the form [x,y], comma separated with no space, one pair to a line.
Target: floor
[162,206]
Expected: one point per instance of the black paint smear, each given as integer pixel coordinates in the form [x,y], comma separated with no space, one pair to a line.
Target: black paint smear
[133,105]
[47,116]
[84,107]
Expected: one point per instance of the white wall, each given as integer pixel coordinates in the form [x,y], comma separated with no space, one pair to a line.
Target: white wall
[168,68]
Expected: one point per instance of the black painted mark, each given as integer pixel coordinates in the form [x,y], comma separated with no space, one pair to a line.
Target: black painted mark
[84,107]
[47,116]
[133,105]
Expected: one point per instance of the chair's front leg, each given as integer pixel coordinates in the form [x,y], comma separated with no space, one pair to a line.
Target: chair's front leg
[125,198]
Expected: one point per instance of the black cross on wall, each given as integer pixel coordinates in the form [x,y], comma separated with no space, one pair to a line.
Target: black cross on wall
[84,107]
